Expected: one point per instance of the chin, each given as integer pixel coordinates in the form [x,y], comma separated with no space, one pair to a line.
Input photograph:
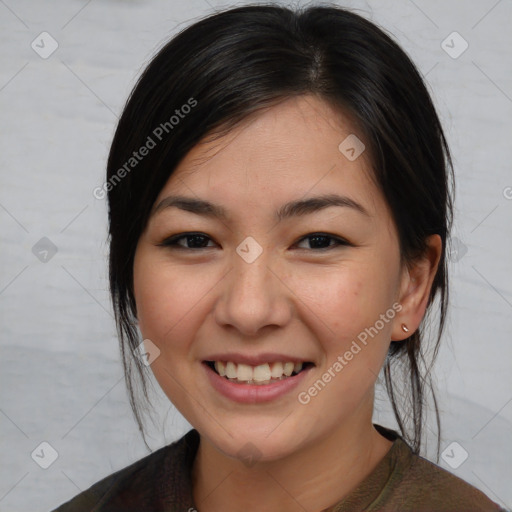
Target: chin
[252,451]
[250,446]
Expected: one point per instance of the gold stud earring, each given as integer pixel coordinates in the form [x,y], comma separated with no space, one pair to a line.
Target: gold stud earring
[405,328]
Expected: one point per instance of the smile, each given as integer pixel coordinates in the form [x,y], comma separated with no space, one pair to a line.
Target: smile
[259,375]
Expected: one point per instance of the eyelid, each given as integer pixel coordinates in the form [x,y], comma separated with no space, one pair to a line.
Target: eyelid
[171,242]
[340,241]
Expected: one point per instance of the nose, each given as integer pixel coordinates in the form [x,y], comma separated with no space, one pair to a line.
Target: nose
[253,297]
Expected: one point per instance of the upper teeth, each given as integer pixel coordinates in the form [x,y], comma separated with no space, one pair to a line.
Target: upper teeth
[260,373]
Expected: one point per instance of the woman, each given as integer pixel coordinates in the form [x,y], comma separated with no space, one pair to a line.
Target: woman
[280,201]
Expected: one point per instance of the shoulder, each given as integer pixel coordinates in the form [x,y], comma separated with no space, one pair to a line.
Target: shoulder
[407,482]
[140,486]
[425,486]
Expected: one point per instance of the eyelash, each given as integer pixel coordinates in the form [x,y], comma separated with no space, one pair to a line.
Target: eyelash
[172,242]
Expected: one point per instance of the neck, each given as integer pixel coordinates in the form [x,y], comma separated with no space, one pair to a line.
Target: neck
[311,479]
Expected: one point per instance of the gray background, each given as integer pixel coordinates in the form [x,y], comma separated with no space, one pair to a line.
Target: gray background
[61,378]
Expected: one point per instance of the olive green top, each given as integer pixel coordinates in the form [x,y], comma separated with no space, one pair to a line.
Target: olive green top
[401,481]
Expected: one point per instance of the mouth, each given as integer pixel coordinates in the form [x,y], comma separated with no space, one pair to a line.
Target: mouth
[262,374]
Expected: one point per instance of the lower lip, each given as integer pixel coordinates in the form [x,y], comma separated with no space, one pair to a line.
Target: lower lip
[254,393]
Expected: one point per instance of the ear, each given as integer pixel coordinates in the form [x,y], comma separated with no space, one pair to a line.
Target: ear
[415,285]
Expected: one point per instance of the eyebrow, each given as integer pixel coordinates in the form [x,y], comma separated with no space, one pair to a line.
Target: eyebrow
[295,208]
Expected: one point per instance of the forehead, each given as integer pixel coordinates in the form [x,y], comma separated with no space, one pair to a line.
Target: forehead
[292,150]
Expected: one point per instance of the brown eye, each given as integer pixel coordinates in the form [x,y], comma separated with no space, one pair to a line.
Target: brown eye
[323,241]
[191,241]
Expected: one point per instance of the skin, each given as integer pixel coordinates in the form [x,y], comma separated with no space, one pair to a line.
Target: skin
[293,299]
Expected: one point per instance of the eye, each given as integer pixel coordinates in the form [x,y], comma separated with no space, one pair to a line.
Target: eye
[322,241]
[195,240]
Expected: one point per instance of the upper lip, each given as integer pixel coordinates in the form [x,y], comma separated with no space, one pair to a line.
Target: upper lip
[256,359]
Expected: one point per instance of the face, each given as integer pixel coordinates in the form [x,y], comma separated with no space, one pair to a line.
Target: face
[270,278]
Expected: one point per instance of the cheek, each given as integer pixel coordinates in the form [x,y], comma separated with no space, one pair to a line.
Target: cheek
[349,301]
[164,297]
[173,305]
[345,300]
